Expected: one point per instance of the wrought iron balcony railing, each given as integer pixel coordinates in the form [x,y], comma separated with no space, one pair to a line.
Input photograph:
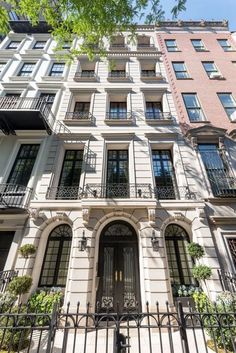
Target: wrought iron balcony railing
[174,193]
[79,115]
[85,75]
[222,185]
[64,193]
[118,74]
[12,104]
[228,281]
[146,46]
[120,46]
[15,196]
[151,74]
[116,190]
[5,278]
[119,116]
[158,116]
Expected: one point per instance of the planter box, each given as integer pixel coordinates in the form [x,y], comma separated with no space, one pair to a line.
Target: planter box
[186,302]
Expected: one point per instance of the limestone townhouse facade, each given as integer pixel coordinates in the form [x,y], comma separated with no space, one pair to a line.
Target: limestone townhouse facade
[97,172]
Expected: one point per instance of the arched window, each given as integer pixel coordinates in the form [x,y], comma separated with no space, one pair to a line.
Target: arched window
[180,263]
[56,259]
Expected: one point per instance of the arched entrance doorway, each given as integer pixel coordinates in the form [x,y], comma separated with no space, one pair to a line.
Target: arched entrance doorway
[118,267]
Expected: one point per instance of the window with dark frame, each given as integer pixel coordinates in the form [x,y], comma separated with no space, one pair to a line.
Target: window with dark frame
[57,69]
[48,98]
[198,45]
[232,248]
[180,70]
[229,104]
[179,261]
[225,45]
[26,69]
[39,44]
[118,110]
[117,173]
[13,44]
[165,183]
[210,68]
[57,256]
[153,110]
[23,165]
[171,45]
[193,107]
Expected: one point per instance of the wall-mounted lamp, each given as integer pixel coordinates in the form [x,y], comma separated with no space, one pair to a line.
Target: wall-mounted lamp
[154,241]
[83,242]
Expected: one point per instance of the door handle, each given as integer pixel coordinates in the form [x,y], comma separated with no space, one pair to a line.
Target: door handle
[116,276]
[121,276]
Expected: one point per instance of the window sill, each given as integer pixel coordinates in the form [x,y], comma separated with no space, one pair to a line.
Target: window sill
[52,78]
[185,78]
[174,51]
[200,121]
[202,51]
[20,78]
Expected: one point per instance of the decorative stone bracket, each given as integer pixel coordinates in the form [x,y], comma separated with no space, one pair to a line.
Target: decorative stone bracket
[152,216]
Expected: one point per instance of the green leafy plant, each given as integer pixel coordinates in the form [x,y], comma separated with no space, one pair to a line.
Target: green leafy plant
[7,300]
[20,285]
[12,339]
[27,250]
[44,301]
[195,250]
[185,291]
[201,272]
[218,318]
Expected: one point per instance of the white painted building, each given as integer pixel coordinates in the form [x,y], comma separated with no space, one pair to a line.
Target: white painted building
[109,192]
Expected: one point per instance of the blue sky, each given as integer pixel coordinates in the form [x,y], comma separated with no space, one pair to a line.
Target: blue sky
[206,9]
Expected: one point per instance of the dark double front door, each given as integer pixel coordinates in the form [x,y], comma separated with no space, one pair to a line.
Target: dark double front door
[118,270]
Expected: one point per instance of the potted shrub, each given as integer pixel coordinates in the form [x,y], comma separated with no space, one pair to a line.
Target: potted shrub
[184,294]
[26,251]
[201,272]
[195,250]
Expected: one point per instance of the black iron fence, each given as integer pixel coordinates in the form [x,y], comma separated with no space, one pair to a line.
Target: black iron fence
[75,330]
[228,281]
[114,190]
[5,278]
[15,196]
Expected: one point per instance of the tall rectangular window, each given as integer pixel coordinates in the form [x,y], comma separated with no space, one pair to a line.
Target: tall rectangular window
[198,44]
[193,107]
[39,44]
[117,173]
[210,69]
[222,183]
[118,110]
[26,69]
[229,104]
[225,45]
[171,45]
[153,110]
[180,70]
[164,174]
[232,248]
[48,98]
[23,166]
[14,44]
[57,69]
[70,175]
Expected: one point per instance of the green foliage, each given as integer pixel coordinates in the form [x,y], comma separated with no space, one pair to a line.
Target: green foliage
[43,301]
[27,250]
[20,285]
[7,300]
[195,250]
[201,272]
[13,340]
[218,318]
[89,20]
[184,291]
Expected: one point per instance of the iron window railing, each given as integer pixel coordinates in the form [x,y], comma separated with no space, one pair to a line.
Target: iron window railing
[172,192]
[145,46]
[118,190]
[150,73]
[118,115]
[5,279]
[85,74]
[15,196]
[79,115]
[228,281]
[64,193]
[118,74]
[158,115]
[222,185]
[120,46]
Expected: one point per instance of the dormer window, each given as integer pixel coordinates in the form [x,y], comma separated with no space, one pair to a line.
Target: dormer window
[117,43]
[86,71]
[144,42]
